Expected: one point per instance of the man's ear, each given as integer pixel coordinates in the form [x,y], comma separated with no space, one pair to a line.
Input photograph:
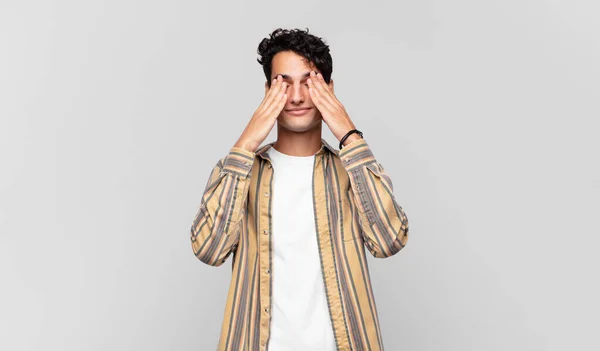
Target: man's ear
[331,85]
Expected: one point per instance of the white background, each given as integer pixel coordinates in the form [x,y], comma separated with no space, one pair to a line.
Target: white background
[484,113]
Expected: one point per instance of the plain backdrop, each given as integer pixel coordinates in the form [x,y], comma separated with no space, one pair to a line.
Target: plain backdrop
[484,114]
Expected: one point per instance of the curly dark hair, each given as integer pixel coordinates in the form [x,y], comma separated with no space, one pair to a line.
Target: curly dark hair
[311,47]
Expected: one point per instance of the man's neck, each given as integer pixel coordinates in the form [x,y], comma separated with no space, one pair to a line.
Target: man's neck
[298,144]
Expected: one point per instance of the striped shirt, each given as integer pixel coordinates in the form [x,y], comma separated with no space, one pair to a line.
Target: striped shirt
[354,208]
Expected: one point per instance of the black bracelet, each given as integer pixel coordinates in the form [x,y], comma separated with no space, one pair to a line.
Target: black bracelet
[348,134]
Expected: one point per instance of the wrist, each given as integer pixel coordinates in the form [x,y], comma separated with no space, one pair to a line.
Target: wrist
[352,137]
[242,144]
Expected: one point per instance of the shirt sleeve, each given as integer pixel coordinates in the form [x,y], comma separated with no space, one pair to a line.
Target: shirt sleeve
[383,222]
[215,229]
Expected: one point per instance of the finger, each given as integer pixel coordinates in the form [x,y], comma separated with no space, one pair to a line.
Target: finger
[275,108]
[267,96]
[324,107]
[318,96]
[267,91]
[275,82]
[319,82]
[273,92]
[274,99]
[327,91]
[324,94]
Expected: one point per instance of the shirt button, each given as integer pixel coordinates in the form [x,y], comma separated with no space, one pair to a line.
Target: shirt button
[268,271]
[265,232]
[266,310]
[266,194]
[247,163]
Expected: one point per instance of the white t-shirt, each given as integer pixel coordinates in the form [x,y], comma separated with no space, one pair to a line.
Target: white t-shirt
[300,316]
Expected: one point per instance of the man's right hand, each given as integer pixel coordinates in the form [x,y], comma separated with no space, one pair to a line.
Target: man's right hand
[264,117]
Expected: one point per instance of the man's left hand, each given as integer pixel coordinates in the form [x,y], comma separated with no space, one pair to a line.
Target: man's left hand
[333,112]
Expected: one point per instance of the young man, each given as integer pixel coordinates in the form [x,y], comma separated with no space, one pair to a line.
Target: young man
[297,214]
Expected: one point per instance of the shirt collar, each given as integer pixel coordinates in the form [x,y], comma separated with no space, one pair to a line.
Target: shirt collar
[262,151]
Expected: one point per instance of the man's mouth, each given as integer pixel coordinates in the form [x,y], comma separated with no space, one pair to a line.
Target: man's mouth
[299,111]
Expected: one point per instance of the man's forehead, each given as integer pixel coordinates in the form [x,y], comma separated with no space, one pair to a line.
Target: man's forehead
[292,66]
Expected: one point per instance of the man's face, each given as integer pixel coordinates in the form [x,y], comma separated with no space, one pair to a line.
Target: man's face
[295,70]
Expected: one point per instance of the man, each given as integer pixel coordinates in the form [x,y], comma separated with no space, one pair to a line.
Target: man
[297,214]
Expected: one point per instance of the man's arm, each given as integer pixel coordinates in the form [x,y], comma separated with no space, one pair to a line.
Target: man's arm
[383,223]
[215,231]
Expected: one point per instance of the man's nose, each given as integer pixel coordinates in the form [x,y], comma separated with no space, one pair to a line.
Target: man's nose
[297,95]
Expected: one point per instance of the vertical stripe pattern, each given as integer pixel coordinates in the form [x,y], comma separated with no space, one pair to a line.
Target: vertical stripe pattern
[354,208]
